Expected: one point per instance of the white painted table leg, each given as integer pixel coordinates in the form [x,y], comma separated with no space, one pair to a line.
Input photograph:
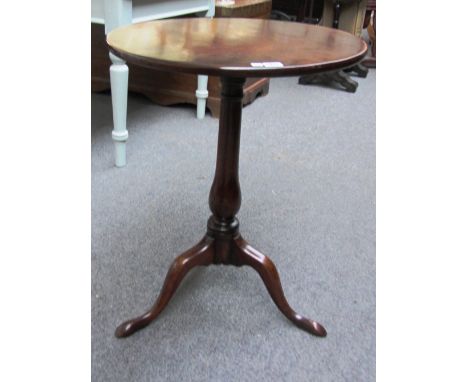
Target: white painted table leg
[202,88]
[119,90]
[202,95]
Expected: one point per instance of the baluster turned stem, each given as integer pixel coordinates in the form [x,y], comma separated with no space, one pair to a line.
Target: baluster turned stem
[225,194]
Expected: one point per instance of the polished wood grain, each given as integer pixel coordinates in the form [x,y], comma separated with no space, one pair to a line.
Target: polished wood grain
[163,88]
[223,243]
[228,47]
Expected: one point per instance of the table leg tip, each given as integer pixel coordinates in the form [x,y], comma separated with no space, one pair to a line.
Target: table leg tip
[319,330]
[124,330]
[312,327]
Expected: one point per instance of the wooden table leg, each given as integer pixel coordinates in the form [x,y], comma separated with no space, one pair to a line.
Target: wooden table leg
[200,254]
[358,70]
[222,243]
[336,77]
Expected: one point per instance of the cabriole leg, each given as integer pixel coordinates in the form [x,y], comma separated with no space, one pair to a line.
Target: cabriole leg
[245,254]
[200,254]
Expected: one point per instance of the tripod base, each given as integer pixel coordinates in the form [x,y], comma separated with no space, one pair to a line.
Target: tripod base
[221,245]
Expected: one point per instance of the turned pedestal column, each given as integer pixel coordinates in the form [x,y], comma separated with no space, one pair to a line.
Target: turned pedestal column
[223,243]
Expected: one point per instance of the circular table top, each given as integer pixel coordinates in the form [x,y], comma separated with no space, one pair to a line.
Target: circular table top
[236,47]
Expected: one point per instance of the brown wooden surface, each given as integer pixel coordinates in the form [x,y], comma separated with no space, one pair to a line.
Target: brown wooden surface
[370,22]
[372,4]
[163,88]
[227,47]
[259,9]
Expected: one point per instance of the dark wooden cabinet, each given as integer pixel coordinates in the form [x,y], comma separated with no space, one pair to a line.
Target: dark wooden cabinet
[300,10]
[290,7]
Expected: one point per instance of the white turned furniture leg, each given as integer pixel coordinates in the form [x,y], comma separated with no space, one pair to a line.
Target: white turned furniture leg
[119,90]
[202,88]
[202,95]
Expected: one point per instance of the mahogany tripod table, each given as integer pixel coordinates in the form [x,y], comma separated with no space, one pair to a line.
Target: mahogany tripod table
[233,49]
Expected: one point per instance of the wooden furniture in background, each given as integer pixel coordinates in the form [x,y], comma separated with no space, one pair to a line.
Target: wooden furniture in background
[214,47]
[255,9]
[115,13]
[347,15]
[370,23]
[291,10]
[163,88]
[166,88]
